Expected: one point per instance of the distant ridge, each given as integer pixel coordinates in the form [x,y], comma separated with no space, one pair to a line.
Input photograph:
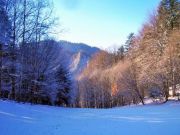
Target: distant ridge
[77,55]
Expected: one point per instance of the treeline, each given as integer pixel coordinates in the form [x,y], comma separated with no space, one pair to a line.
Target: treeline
[147,66]
[31,66]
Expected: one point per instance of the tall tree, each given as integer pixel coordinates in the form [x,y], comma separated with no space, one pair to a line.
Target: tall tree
[121,53]
[168,22]
[4,42]
[129,42]
[169,14]
[63,86]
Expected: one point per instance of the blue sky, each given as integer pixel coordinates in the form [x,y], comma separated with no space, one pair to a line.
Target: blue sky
[101,23]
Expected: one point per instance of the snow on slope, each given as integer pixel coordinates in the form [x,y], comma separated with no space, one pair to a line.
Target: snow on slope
[25,119]
[77,55]
[79,61]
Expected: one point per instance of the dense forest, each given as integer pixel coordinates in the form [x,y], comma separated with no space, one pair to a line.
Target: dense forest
[146,66]
[32,69]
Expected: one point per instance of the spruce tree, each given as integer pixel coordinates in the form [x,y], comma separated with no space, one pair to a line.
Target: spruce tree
[64,86]
[129,42]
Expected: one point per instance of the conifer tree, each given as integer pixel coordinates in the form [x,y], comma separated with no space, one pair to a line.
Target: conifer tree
[63,86]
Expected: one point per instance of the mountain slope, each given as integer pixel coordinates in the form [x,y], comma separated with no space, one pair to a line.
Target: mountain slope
[77,55]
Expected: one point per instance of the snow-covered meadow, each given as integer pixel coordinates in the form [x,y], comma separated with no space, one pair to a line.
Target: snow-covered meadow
[26,119]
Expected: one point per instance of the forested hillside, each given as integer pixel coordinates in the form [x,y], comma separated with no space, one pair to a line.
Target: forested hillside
[146,66]
[76,56]
[36,68]
[31,67]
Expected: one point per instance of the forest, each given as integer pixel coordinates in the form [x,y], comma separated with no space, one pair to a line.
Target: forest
[147,66]
[32,68]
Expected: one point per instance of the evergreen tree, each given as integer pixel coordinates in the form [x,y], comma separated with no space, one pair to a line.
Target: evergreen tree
[129,42]
[120,53]
[64,86]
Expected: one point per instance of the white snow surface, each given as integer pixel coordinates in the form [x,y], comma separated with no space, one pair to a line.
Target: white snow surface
[26,119]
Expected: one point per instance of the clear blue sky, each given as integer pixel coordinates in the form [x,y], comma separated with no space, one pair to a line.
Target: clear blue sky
[102,23]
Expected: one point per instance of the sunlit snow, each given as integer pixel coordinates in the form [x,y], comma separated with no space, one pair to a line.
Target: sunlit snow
[26,119]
